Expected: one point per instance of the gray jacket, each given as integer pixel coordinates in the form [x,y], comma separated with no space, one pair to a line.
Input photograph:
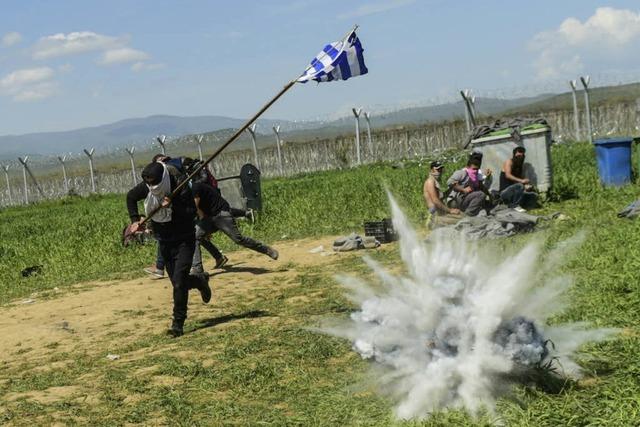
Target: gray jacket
[462,178]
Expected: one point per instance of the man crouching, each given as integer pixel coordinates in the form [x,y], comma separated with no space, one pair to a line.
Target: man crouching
[174,228]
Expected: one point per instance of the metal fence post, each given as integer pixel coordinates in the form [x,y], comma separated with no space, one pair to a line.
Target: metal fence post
[26,171]
[5,168]
[90,156]
[576,118]
[472,106]
[199,141]
[466,110]
[276,130]
[64,173]
[24,176]
[356,114]
[585,83]
[133,165]
[470,109]
[252,132]
[367,117]
[161,139]
[211,166]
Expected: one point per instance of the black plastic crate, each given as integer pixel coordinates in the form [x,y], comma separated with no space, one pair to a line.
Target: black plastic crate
[383,230]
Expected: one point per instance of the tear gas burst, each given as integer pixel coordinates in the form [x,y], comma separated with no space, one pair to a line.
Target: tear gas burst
[451,331]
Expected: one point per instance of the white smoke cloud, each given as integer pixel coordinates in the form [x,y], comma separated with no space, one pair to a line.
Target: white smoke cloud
[608,35]
[450,333]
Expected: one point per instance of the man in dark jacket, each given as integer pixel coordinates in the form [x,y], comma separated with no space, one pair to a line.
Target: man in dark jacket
[214,213]
[185,166]
[174,228]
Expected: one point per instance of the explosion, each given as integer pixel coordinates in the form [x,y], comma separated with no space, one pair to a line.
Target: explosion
[454,329]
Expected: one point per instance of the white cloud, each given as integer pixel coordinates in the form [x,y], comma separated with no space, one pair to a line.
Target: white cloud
[25,76]
[608,35]
[65,68]
[371,8]
[28,84]
[36,92]
[11,38]
[143,66]
[122,55]
[235,35]
[112,50]
[75,43]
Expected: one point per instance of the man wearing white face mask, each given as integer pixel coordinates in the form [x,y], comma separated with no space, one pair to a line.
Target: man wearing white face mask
[174,228]
[441,214]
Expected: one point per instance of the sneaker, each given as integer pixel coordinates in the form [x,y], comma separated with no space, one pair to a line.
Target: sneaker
[519,209]
[272,253]
[205,290]
[155,272]
[176,329]
[221,262]
[250,216]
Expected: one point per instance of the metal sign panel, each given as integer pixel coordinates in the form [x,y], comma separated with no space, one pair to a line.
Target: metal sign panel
[250,180]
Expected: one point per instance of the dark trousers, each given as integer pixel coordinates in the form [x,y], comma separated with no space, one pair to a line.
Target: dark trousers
[473,203]
[237,213]
[227,224]
[515,195]
[177,257]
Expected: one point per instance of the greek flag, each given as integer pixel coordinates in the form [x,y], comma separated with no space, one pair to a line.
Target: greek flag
[337,61]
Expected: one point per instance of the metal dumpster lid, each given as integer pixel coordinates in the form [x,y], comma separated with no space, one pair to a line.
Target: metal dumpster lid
[605,141]
[509,137]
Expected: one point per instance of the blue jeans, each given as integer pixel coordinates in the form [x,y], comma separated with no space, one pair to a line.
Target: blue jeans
[159,260]
[515,195]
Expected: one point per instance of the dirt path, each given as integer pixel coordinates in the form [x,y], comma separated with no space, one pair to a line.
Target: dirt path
[94,317]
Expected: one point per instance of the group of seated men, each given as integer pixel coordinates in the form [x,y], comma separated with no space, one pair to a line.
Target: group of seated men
[467,190]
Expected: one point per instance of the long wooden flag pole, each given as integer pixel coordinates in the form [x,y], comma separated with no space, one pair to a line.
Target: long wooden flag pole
[230,140]
[222,147]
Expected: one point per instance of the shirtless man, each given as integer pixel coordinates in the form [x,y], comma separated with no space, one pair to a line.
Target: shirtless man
[441,214]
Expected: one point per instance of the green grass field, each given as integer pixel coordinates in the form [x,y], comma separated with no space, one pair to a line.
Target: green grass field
[271,369]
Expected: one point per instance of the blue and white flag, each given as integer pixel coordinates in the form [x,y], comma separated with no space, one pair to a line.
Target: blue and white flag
[337,61]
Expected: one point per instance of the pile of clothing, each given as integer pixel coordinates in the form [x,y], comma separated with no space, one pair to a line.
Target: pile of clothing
[631,211]
[353,242]
[500,222]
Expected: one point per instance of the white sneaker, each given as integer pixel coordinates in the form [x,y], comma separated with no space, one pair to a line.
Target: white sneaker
[519,209]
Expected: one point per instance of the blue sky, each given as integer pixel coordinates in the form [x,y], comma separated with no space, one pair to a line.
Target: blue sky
[71,64]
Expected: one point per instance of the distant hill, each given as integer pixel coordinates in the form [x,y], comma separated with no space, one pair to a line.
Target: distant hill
[142,131]
[437,113]
[598,96]
[122,133]
[408,116]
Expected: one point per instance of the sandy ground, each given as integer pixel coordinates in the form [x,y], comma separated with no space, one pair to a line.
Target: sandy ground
[93,317]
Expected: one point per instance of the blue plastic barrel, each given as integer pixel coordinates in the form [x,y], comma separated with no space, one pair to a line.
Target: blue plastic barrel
[614,160]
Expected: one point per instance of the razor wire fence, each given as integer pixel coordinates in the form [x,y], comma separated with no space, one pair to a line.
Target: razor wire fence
[390,144]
